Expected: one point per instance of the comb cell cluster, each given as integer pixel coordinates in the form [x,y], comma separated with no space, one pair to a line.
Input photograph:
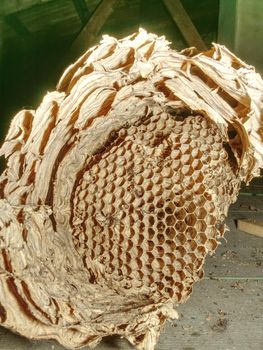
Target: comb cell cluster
[145,209]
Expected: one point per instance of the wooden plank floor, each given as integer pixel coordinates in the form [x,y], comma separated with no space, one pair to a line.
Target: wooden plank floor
[225,311]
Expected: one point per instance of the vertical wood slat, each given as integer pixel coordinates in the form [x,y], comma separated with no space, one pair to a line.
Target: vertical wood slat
[82,10]
[185,24]
[88,34]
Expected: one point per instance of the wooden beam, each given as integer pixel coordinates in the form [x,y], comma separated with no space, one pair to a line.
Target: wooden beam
[252,227]
[82,10]
[185,24]
[88,35]
[10,6]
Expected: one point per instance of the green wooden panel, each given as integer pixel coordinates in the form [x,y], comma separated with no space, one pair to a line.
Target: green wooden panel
[227,23]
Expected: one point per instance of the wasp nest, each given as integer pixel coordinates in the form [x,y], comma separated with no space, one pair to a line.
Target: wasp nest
[117,186]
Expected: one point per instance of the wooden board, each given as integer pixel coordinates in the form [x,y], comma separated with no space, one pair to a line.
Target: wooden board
[252,227]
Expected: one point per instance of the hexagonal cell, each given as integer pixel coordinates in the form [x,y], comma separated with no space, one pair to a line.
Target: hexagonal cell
[176,164]
[180,239]
[179,276]
[186,159]
[140,239]
[189,182]
[119,182]
[120,151]
[201,250]
[190,232]
[151,220]
[180,213]
[190,207]
[148,185]
[157,178]
[138,168]
[180,226]
[178,190]
[149,279]
[129,245]
[185,147]
[138,179]
[127,270]
[169,258]
[210,219]
[169,208]
[170,232]
[188,196]
[187,170]
[151,233]
[160,226]
[201,238]
[211,231]
[160,250]
[180,251]
[170,244]
[160,285]
[160,203]
[200,200]
[149,197]
[196,154]
[190,220]
[168,184]
[199,188]
[161,238]
[209,207]
[121,161]
[211,245]
[138,191]
[214,154]
[129,157]
[200,213]
[200,226]
[150,257]
[167,172]
[179,201]
[179,264]
[158,264]
[170,220]
[198,177]
[176,154]
[210,139]
[130,198]
[147,173]
[160,214]
[150,245]
[190,245]
[197,164]
[157,190]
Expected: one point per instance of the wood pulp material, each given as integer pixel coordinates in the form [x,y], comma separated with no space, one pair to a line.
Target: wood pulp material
[117,187]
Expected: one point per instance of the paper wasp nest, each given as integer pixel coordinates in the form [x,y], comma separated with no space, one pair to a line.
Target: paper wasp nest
[117,187]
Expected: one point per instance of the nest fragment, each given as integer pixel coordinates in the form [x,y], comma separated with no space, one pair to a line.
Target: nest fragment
[117,187]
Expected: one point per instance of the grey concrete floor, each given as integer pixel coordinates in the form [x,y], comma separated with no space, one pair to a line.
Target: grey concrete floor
[225,311]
